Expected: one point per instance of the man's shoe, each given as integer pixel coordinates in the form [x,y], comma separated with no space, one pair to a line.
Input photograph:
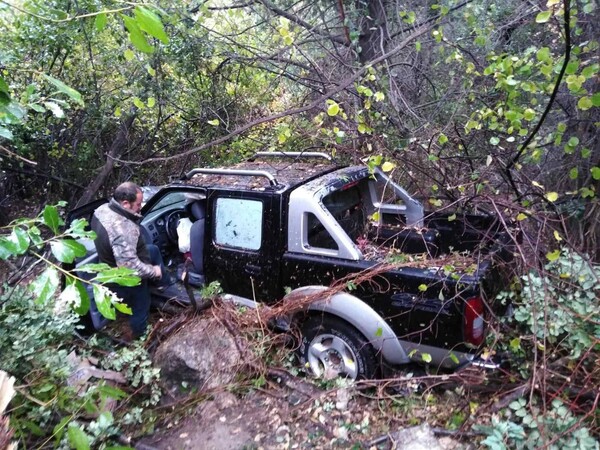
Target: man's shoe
[172,291]
[127,335]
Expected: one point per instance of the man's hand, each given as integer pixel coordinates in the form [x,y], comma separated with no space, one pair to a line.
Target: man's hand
[157,272]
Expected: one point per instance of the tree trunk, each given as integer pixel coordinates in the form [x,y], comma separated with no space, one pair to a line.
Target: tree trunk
[115,151]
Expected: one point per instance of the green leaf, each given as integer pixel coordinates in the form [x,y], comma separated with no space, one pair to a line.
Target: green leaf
[62,87]
[543,17]
[37,108]
[529,114]
[107,391]
[66,250]
[6,248]
[442,139]
[138,103]
[595,172]
[123,308]
[363,128]
[80,299]
[75,294]
[100,22]
[149,22]
[20,238]
[553,256]
[103,298]
[454,358]
[45,285]
[5,133]
[494,140]
[50,218]
[543,54]
[388,166]
[135,35]
[596,99]
[426,357]
[128,54]
[573,141]
[418,46]
[333,109]
[78,229]
[573,173]
[77,438]
[120,275]
[551,196]
[452,218]
[590,71]
[572,67]
[213,122]
[379,332]
[59,429]
[151,102]
[585,103]
[35,236]
[93,268]
[422,287]
[4,86]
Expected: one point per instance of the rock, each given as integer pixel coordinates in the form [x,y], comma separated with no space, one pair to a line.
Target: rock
[416,438]
[202,355]
[342,398]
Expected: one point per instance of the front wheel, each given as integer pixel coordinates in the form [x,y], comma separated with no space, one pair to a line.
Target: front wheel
[331,348]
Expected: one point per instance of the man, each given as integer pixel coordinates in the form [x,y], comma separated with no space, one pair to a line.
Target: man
[119,243]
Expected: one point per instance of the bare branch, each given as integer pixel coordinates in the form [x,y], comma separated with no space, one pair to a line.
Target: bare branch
[316,103]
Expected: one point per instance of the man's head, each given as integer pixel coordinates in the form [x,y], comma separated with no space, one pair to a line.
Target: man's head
[129,195]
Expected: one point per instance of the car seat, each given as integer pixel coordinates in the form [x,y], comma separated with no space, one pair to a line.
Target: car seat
[197,214]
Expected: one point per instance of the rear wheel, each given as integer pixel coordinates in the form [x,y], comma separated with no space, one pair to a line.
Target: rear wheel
[331,347]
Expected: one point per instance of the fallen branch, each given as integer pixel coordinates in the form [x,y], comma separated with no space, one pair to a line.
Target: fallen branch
[319,102]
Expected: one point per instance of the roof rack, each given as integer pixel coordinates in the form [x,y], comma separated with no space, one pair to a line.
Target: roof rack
[234,172]
[295,154]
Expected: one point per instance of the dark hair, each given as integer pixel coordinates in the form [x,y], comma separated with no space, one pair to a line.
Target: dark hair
[126,192]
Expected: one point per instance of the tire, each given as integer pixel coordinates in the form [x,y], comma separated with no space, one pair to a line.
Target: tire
[333,348]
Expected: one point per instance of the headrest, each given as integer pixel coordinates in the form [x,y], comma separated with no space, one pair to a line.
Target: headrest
[196,210]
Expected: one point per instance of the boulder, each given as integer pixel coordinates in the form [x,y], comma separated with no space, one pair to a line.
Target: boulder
[201,355]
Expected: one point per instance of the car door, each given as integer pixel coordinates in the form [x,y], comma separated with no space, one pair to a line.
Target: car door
[245,241]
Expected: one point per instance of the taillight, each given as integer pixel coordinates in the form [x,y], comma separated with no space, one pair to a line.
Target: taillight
[474,324]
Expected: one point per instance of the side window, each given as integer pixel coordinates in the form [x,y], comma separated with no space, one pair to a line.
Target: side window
[238,223]
[317,235]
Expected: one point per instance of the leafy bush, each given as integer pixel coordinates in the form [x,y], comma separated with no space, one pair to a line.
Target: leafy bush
[557,305]
[35,341]
[556,309]
[528,428]
[33,336]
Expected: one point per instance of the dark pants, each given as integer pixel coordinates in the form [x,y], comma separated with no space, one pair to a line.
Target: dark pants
[138,297]
[156,260]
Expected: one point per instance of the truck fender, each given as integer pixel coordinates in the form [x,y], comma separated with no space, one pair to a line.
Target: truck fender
[361,316]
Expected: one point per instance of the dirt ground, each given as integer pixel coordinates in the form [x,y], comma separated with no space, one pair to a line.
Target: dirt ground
[280,410]
[282,418]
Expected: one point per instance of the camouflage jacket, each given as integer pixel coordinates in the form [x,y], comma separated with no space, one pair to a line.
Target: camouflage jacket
[119,241]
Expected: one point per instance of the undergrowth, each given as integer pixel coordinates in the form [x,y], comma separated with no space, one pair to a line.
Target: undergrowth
[53,407]
[555,341]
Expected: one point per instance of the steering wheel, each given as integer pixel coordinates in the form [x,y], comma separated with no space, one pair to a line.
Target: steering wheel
[171,224]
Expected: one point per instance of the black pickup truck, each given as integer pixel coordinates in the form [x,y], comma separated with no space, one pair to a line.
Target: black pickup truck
[288,226]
